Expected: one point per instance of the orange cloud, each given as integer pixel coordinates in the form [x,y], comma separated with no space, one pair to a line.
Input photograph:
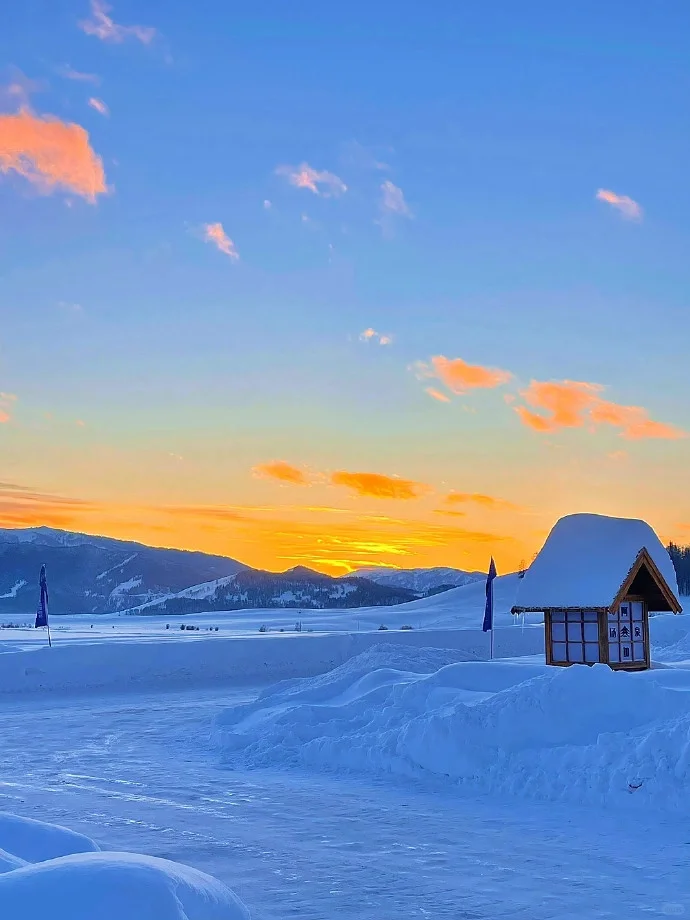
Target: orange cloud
[23,506]
[371,334]
[284,472]
[571,404]
[634,422]
[476,498]
[214,233]
[320,182]
[377,485]
[50,153]
[437,394]
[459,376]
[102,26]
[533,420]
[99,106]
[566,401]
[628,208]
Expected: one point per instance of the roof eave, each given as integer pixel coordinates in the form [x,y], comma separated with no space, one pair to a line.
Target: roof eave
[546,607]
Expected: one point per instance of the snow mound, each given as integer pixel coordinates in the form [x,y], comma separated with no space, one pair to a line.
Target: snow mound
[33,841]
[589,733]
[8,862]
[382,655]
[51,873]
[115,886]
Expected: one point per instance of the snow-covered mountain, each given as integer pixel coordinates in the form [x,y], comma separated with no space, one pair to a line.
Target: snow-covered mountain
[299,587]
[421,581]
[96,574]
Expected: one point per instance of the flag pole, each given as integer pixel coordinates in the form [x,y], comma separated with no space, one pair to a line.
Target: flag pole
[50,644]
[491,641]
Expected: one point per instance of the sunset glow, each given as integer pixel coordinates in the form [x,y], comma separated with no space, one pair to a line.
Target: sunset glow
[315,295]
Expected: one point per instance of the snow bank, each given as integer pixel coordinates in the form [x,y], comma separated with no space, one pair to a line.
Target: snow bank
[518,727]
[81,883]
[670,639]
[211,660]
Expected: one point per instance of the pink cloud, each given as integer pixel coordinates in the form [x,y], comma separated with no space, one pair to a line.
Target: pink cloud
[371,335]
[99,106]
[437,394]
[393,200]
[102,26]
[7,401]
[320,182]
[214,233]
[69,73]
[628,208]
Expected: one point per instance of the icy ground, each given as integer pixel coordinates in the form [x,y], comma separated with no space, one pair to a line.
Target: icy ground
[310,801]
[141,773]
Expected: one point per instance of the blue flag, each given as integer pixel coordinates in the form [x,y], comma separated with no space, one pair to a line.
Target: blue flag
[42,612]
[489,608]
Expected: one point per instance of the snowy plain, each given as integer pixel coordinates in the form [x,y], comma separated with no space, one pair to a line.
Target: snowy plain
[415,779]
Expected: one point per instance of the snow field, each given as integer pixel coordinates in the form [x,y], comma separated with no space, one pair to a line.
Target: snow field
[175,659]
[584,734]
[457,608]
[50,873]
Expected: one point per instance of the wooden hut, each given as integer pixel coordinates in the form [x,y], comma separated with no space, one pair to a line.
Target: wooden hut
[597,579]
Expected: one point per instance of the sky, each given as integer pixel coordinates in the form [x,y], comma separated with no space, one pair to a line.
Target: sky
[344,285]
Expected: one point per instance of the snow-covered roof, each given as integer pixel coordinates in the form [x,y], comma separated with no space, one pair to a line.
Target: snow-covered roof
[586,559]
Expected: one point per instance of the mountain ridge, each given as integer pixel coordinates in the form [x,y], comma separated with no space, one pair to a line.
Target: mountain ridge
[96,574]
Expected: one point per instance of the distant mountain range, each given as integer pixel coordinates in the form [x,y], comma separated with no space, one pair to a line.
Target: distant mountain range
[422,581]
[297,588]
[95,574]
[99,575]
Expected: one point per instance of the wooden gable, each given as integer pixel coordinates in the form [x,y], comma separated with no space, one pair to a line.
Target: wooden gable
[645,580]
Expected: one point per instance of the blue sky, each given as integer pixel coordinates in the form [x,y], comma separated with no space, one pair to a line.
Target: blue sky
[497,123]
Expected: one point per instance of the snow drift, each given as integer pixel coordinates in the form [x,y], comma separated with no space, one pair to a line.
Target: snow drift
[33,841]
[51,873]
[514,727]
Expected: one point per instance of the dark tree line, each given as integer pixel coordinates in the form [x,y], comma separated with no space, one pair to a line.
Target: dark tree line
[680,555]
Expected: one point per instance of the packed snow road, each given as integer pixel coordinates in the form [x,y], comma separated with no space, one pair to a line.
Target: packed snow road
[141,773]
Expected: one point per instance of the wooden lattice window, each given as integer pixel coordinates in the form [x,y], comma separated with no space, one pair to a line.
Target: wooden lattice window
[574,637]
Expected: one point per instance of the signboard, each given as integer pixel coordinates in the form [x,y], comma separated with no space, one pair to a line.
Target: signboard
[626,636]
